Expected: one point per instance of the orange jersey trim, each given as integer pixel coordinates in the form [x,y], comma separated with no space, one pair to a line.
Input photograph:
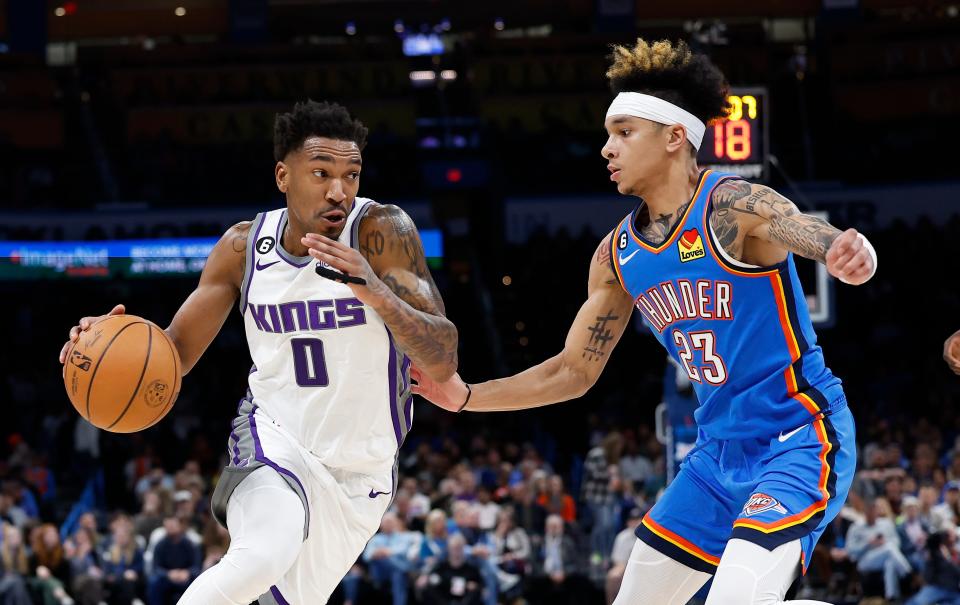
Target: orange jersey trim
[616,257]
[678,227]
[682,544]
[814,508]
[793,346]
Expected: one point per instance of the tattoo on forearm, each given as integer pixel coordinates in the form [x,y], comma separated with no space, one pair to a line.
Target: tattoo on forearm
[805,235]
[600,337]
[428,338]
[419,326]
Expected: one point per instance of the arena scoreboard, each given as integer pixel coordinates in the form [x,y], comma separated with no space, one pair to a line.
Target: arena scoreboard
[739,143]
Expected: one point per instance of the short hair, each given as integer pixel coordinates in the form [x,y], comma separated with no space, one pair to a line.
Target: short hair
[313,119]
[672,73]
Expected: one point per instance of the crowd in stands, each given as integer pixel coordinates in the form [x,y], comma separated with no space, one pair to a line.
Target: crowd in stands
[482,522]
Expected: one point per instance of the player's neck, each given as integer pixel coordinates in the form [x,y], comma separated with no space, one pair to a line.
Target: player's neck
[290,239]
[674,189]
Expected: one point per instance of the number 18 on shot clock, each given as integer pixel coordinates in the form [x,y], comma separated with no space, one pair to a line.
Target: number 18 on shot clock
[739,143]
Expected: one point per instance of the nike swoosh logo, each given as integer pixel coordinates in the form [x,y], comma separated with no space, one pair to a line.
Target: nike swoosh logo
[374,494]
[262,267]
[783,437]
[626,259]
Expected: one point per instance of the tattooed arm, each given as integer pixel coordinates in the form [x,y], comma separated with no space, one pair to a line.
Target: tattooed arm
[399,286]
[567,375]
[757,225]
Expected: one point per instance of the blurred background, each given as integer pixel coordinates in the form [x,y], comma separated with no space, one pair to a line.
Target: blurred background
[134,132]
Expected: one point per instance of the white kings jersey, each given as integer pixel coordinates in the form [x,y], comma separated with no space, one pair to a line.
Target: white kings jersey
[326,368]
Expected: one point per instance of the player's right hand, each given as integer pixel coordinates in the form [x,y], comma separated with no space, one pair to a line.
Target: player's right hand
[83,326]
[951,352]
[448,395]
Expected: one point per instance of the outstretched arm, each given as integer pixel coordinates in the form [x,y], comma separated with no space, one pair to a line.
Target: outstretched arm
[399,286]
[567,375]
[754,220]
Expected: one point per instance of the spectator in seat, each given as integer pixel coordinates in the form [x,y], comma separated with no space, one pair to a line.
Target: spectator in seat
[558,575]
[941,572]
[14,567]
[176,562]
[454,581]
[49,567]
[875,546]
[123,569]
[387,556]
[556,501]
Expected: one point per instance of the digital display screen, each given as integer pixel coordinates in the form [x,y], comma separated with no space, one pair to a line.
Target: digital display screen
[131,258]
[738,143]
[416,45]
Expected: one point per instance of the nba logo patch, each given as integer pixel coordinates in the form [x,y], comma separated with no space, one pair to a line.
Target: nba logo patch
[761,503]
[690,246]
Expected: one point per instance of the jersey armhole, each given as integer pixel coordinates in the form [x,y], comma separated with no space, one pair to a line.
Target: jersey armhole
[613,252]
[249,258]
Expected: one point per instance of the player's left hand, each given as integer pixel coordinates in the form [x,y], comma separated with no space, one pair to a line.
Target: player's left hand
[951,352]
[345,259]
[449,395]
[850,258]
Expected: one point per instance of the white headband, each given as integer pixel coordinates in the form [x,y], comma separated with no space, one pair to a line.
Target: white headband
[660,111]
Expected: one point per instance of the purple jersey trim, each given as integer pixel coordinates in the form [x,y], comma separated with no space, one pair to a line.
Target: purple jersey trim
[279,597]
[261,457]
[407,412]
[392,386]
[236,449]
[250,269]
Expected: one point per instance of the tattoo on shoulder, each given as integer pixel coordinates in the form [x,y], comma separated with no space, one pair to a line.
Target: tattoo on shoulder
[388,232]
[805,235]
[723,219]
[600,337]
[238,241]
[603,251]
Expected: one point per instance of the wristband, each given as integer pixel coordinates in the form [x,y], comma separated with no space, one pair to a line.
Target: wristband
[467,400]
[873,255]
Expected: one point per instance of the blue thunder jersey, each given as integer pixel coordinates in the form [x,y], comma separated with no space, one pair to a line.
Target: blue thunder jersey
[742,333]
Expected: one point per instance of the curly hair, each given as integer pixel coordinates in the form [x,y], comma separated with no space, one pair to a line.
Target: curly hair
[672,73]
[313,119]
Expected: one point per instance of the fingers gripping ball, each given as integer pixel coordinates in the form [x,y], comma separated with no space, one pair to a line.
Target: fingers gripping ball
[123,374]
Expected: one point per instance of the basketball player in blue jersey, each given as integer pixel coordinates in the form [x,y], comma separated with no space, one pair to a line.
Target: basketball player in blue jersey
[707,258]
[336,300]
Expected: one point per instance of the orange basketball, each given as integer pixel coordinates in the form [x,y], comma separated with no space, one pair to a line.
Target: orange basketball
[123,374]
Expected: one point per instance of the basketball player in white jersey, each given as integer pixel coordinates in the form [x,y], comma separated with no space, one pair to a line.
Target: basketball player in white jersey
[337,301]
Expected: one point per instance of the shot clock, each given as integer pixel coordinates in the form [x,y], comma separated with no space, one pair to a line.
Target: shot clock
[739,142]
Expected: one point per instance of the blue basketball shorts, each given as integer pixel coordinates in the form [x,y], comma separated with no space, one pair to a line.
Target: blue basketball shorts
[765,491]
